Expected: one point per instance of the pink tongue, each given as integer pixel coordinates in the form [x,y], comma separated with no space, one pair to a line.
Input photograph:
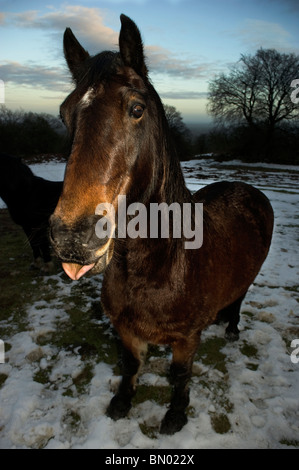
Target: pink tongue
[75,271]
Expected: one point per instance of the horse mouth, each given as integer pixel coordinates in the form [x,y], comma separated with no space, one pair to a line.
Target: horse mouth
[75,270]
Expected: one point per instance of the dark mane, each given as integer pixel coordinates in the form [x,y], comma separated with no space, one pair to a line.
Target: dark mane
[98,68]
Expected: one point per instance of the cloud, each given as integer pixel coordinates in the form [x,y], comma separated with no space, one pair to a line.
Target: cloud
[184,95]
[161,60]
[50,78]
[259,33]
[88,25]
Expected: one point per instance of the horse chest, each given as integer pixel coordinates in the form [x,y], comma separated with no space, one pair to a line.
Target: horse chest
[158,312]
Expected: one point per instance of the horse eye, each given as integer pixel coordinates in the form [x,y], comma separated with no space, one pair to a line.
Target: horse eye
[137,111]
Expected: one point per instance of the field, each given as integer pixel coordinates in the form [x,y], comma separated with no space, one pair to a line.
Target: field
[62,356]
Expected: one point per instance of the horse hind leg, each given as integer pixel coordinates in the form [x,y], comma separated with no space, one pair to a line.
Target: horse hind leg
[231,314]
[133,352]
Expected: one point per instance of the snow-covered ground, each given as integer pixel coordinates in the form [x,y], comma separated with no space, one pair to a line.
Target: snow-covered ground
[258,391]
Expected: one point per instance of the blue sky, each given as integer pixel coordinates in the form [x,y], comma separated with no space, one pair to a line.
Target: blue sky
[186,42]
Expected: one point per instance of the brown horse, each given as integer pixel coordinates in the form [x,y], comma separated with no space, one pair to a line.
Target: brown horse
[154,290]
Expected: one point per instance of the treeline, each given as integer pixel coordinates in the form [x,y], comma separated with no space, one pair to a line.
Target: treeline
[251,144]
[256,142]
[30,134]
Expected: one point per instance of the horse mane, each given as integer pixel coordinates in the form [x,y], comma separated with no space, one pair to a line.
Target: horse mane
[98,68]
[173,182]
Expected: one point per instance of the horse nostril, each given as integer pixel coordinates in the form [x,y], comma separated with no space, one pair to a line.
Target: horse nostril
[78,241]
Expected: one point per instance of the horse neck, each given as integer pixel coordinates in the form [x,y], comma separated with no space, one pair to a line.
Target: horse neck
[175,188]
[167,180]
[170,185]
[167,185]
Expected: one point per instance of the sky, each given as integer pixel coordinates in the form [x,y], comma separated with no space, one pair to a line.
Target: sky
[187,43]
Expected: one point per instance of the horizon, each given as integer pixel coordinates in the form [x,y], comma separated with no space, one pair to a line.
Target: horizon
[187,43]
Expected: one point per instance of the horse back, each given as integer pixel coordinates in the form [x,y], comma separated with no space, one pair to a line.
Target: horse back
[240,204]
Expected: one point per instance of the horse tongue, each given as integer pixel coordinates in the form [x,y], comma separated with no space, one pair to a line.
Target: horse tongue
[75,271]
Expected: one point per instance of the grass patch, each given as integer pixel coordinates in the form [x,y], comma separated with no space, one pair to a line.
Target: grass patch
[220,423]
[210,354]
[294,288]
[42,375]
[247,314]
[289,442]
[217,389]
[149,431]
[82,380]
[3,377]
[72,419]
[90,339]
[249,350]
[159,394]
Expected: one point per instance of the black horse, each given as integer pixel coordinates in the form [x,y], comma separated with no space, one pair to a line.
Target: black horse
[30,201]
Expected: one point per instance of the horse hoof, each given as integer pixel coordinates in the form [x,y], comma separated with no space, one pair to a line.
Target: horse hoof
[173,422]
[118,408]
[232,336]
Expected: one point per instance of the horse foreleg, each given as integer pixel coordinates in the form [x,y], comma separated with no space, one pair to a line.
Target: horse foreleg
[133,353]
[31,236]
[180,373]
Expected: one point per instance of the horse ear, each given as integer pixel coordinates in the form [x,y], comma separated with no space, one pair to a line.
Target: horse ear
[131,47]
[73,52]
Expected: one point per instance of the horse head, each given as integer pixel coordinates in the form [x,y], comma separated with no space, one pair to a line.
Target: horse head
[112,115]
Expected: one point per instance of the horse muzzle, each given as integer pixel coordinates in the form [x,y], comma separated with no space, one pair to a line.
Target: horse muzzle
[79,248]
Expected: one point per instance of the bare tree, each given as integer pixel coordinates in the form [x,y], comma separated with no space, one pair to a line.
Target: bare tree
[181,135]
[257,90]
[174,118]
